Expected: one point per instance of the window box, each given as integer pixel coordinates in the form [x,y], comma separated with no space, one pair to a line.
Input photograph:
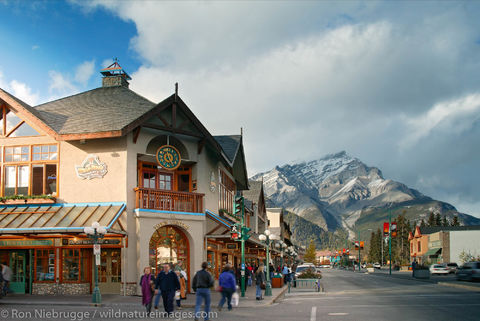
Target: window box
[18,199]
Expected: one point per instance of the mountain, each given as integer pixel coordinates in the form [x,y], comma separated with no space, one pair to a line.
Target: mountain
[341,192]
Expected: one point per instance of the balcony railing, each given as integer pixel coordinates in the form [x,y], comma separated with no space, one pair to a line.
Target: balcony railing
[169,200]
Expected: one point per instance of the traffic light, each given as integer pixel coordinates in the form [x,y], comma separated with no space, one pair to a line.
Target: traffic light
[362,243]
[393,229]
[235,233]
[356,245]
[386,228]
[245,231]
[238,206]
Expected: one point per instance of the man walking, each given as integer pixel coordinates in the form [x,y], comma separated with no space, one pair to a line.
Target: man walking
[7,275]
[167,282]
[201,284]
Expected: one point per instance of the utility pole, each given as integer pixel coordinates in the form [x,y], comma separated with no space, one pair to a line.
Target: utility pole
[390,238]
[359,264]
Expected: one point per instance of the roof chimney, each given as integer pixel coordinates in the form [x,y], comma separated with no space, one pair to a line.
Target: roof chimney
[114,76]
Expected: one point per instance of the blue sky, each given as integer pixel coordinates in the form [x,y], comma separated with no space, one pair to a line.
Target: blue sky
[393,83]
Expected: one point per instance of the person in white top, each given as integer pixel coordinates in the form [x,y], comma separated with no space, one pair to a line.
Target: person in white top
[7,276]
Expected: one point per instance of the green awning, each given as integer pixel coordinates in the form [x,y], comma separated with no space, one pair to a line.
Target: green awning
[433,251]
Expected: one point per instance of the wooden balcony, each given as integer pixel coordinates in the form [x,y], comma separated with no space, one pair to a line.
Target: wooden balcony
[169,200]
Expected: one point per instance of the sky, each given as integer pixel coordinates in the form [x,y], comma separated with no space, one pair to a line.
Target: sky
[395,84]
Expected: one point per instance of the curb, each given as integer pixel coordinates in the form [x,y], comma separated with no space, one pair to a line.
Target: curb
[460,286]
[403,278]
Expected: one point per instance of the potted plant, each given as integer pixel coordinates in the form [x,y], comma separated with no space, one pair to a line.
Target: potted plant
[421,271]
[28,199]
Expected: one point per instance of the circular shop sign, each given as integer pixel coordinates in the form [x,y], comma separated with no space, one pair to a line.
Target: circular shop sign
[168,157]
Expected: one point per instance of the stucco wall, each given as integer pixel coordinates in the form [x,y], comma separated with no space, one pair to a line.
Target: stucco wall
[110,188]
[468,241]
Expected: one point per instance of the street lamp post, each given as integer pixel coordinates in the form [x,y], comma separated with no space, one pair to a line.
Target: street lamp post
[267,238]
[96,232]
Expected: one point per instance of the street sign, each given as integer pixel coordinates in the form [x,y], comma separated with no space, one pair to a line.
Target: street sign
[96,249]
[97,259]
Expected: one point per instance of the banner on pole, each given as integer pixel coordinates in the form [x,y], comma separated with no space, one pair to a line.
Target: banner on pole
[386,229]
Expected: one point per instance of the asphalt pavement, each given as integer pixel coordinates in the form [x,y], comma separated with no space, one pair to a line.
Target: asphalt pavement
[348,296]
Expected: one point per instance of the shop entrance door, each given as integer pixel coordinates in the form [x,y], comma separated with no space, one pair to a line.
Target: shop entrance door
[18,264]
[110,271]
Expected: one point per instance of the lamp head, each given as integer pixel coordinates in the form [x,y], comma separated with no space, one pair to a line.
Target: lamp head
[262,237]
[267,232]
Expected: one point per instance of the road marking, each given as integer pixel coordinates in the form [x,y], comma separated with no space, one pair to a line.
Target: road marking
[338,313]
[313,315]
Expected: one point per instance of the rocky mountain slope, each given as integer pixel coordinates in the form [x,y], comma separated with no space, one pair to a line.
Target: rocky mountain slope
[339,191]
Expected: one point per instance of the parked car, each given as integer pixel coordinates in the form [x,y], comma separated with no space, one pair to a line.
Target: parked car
[452,267]
[439,269]
[377,265]
[469,271]
[303,267]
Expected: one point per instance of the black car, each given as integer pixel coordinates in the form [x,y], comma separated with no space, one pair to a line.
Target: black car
[452,267]
[469,271]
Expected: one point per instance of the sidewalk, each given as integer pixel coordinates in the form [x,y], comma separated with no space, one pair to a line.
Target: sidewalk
[114,300]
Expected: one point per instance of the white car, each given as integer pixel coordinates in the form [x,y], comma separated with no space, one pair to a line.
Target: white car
[377,265]
[439,269]
[304,267]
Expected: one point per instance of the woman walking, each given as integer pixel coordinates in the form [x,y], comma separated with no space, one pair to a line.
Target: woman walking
[259,282]
[147,284]
[183,295]
[228,286]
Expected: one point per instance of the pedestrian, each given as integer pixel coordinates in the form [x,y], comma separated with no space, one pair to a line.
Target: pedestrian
[182,293]
[7,276]
[201,284]
[259,282]
[147,285]
[414,265]
[228,286]
[167,282]
[285,274]
[248,274]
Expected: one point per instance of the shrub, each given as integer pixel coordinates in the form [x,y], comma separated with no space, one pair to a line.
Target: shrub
[309,274]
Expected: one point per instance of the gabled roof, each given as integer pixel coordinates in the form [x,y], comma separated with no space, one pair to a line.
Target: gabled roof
[103,109]
[254,192]
[230,145]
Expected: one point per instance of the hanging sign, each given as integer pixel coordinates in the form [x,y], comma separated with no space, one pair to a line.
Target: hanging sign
[97,259]
[91,168]
[168,157]
[386,229]
[96,249]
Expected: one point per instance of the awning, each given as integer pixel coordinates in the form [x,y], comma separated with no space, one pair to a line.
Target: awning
[221,220]
[61,218]
[433,251]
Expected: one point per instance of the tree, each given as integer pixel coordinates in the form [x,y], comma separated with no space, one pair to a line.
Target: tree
[431,219]
[465,257]
[444,221]
[422,223]
[455,221]
[438,220]
[310,254]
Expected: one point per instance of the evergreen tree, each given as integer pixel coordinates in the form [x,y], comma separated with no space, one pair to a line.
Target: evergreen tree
[444,221]
[422,223]
[455,221]
[438,220]
[431,219]
[375,250]
[310,254]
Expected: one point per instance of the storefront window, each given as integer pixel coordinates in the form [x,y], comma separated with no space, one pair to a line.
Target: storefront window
[168,245]
[71,263]
[45,265]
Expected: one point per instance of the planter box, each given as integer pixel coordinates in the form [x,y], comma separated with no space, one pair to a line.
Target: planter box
[421,274]
[30,201]
[370,270]
[277,282]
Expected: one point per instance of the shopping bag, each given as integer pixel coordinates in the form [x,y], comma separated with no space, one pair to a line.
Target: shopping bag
[235,299]
[177,295]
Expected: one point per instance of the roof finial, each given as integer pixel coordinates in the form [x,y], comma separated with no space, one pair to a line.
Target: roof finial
[176,91]
[241,131]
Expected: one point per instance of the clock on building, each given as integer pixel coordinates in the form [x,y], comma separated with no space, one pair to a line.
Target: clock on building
[168,157]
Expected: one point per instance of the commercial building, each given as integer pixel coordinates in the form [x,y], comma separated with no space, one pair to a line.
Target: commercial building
[151,173]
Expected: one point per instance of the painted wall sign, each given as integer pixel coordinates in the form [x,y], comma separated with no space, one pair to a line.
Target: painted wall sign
[232,246]
[177,223]
[91,168]
[90,241]
[168,157]
[26,242]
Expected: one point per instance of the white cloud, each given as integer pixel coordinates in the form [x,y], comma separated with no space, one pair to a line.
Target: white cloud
[59,82]
[22,91]
[84,72]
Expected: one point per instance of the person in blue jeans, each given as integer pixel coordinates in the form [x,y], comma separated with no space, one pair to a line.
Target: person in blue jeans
[259,281]
[201,284]
[228,285]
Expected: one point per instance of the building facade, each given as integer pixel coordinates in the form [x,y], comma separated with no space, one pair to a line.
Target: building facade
[151,173]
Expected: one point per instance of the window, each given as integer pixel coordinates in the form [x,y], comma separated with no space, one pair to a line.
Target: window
[71,265]
[44,152]
[16,180]
[17,154]
[12,126]
[45,265]
[165,181]
[226,191]
[153,178]
[30,175]
[419,248]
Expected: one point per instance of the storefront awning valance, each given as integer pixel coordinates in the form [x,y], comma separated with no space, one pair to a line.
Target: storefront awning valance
[61,218]
[433,251]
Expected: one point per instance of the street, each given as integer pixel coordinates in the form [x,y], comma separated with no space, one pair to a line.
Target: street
[349,296]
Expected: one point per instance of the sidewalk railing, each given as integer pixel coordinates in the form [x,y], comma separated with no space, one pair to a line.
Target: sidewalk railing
[305,285]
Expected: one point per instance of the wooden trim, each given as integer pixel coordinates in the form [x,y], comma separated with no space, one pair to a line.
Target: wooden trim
[15,128]
[163,120]
[135,134]
[171,129]
[96,135]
